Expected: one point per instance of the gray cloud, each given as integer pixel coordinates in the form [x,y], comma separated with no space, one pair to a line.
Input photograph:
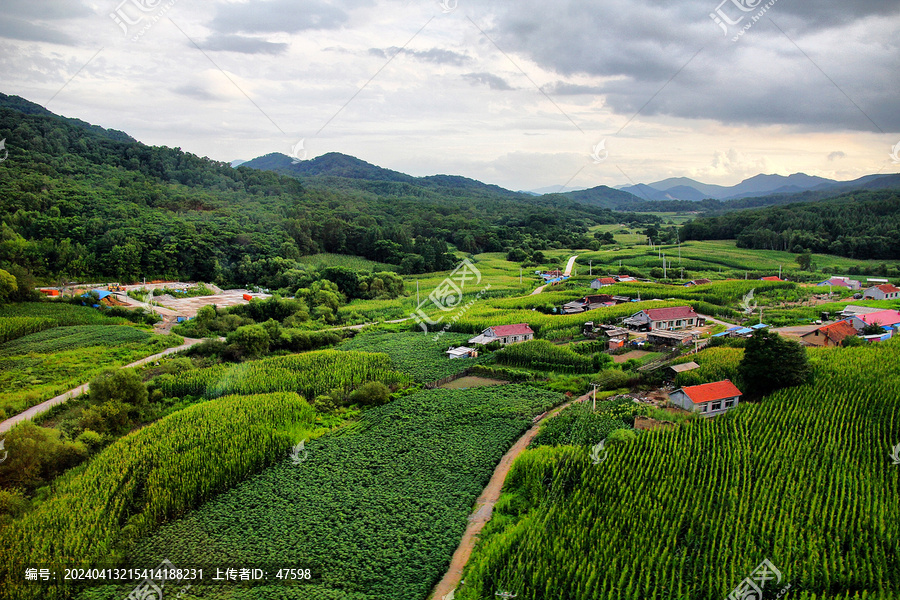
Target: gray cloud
[48,9]
[194,91]
[243,44]
[639,45]
[837,155]
[432,55]
[561,88]
[19,29]
[278,15]
[492,81]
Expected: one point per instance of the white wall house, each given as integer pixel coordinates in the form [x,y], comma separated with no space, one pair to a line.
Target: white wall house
[709,399]
[505,334]
[882,292]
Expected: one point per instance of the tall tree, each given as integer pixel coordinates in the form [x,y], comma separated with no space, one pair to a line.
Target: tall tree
[772,362]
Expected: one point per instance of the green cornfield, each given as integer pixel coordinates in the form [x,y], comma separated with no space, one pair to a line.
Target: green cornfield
[544,356]
[62,339]
[310,375]
[803,479]
[150,476]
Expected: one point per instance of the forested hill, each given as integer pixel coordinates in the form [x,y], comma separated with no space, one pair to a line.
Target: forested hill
[78,201]
[857,225]
[340,170]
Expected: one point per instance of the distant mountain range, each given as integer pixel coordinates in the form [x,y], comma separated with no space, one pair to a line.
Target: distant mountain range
[632,197]
[684,188]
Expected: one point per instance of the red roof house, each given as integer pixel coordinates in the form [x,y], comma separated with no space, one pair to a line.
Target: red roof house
[829,335]
[655,319]
[883,292]
[708,399]
[771,278]
[602,282]
[884,318]
[505,334]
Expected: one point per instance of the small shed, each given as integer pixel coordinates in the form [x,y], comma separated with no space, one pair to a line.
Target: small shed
[462,352]
[689,366]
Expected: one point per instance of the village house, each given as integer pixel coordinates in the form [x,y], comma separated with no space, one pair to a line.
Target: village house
[771,278]
[830,335]
[697,282]
[709,399]
[887,319]
[882,292]
[844,282]
[667,319]
[505,334]
[602,282]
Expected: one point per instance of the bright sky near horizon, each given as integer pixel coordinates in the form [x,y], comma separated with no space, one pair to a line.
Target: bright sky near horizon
[522,94]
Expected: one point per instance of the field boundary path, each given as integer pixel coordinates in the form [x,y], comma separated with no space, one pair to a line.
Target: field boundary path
[484,506]
[39,409]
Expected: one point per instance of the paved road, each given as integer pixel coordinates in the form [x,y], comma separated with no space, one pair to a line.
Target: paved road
[43,407]
[567,273]
[484,507]
[569,266]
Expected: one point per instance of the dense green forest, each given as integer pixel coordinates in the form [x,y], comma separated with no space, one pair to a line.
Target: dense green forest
[79,201]
[857,225]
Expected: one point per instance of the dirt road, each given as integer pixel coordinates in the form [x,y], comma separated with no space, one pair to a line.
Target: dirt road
[484,507]
[43,407]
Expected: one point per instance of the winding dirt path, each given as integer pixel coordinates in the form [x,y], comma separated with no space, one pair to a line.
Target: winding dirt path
[484,507]
[39,409]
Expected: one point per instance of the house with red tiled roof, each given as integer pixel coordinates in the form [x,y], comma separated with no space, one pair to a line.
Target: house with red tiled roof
[771,278]
[829,335]
[602,282]
[709,399]
[665,319]
[505,334]
[882,292]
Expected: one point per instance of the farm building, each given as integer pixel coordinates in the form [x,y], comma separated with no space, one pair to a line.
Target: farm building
[669,338]
[587,303]
[505,334]
[462,352]
[882,292]
[851,310]
[709,399]
[771,278]
[625,278]
[666,319]
[844,282]
[555,274]
[697,282]
[602,282]
[829,335]
[888,319]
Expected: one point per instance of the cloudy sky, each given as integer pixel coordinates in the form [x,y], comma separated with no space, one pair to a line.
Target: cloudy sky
[526,94]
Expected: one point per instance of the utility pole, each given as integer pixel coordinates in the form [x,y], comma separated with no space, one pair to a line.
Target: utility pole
[591,267]
[595,385]
[664,266]
[682,273]
[779,271]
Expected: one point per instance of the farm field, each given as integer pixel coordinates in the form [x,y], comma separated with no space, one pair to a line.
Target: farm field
[53,359]
[376,512]
[472,382]
[804,480]
[96,513]
[415,353]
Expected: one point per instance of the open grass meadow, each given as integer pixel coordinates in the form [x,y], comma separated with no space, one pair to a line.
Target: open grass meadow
[356,263]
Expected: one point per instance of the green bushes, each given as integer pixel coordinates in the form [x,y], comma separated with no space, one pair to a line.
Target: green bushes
[577,425]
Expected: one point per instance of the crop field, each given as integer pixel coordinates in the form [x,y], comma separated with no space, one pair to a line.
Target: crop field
[376,511]
[21,319]
[38,366]
[356,263]
[545,356]
[716,364]
[414,353]
[309,375]
[94,514]
[803,479]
